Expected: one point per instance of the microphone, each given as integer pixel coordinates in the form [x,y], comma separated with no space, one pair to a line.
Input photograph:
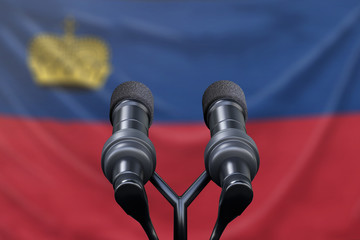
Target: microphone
[231,156]
[128,158]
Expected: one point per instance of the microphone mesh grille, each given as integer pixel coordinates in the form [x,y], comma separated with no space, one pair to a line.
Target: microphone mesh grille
[133,90]
[224,89]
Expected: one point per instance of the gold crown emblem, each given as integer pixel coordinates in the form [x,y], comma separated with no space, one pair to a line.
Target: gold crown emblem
[69,60]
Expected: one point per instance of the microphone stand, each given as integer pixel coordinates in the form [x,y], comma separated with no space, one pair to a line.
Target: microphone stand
[180,203]
[128,158]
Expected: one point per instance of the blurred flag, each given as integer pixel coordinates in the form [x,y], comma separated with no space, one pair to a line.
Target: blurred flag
[298,63]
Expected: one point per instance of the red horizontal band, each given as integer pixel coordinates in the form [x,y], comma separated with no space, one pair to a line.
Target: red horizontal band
[52,185]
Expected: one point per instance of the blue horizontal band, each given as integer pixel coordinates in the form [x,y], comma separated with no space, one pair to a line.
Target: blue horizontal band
[291,58]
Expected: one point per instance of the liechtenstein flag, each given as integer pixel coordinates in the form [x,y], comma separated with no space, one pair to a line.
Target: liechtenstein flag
[298,63]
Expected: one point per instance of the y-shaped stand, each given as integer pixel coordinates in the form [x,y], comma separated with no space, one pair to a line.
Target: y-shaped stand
[181,203]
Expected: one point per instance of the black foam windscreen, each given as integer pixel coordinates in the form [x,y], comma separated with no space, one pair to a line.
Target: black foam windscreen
[226,90]
[133,90]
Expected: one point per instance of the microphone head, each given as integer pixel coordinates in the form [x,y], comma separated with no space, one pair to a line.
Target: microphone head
[133,90]
[226,90]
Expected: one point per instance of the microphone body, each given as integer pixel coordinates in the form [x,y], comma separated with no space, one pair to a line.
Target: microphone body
[231,156]
[128,158]
[230,152]
[129,153]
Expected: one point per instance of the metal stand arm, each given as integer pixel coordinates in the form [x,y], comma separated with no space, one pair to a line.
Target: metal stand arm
[180,204]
